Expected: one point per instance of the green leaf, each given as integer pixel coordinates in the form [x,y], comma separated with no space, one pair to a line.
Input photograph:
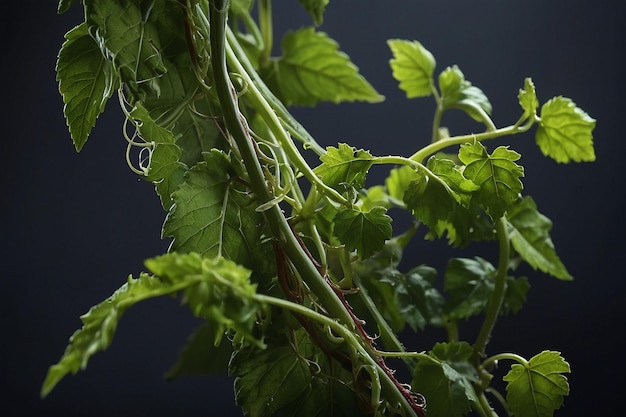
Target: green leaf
[497,175]
[464,225]
[164,155]
[439,196]
[214,289]
[530,236]
[86,82]
[149,130]
[290,378]
[145,42]
[416,298]
[452,175]
[469,284]
[463,222]
[429,200]
[132,44]
[398,181]
[344,165]
[445,377]
[163,161]
[536,389]
[99,325]
[316,9]
[457,355]
[214,218]
[274,379]
[515,295]
[375,196]
[64,5]
[365,232]
[375,275]
[200,356]
[375,281]
[528,98]
[150,55]
[458,93]
[565,132]
[413,66]
[168,185]
[196,134]
[312,70]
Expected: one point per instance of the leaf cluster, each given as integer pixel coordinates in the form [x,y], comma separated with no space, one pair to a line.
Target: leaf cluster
[292,265]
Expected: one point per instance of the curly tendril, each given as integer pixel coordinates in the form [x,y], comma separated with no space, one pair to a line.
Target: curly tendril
[146,148]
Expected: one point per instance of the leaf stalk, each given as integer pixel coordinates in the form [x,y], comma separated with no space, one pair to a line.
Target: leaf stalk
[437,146]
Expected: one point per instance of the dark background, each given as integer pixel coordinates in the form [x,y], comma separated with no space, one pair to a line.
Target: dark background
[74,226]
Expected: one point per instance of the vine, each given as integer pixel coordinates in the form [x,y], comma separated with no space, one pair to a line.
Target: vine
[295,266]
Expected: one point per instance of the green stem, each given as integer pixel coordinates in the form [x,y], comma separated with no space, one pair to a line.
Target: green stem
[387,335]
[436,136]
[434,147]
[500,399]
[276,220]
[495,302]
[485,119]
[437,123]
[267,31]
[487,363]
[396,160]
[452,330]
[269,116]
[502,356]
[400,160]
[294,127]
[338,328]
[253,29]
[483,408]
[360,350]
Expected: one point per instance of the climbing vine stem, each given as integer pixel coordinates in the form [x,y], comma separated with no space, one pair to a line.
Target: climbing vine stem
[497,296]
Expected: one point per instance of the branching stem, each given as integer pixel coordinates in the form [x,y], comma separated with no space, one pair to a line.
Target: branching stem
[361,350]
[281,112]
[270,117]
[437,146]
[233,119]
[277,221]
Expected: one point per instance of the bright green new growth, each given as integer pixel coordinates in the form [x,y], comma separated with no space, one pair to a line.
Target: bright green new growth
[536,388]
[215,289]
[286,259]
[312,69]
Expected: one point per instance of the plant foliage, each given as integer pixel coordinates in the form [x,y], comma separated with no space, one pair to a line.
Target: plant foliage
[294,265]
